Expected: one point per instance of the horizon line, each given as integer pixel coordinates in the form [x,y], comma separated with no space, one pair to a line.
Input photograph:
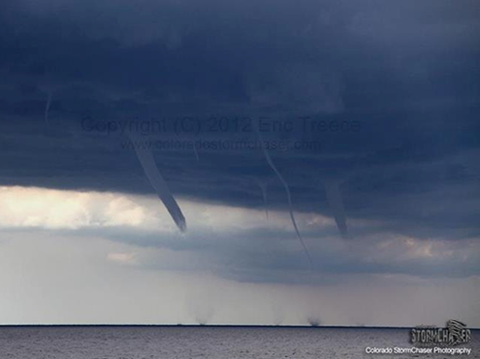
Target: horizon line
[223,326]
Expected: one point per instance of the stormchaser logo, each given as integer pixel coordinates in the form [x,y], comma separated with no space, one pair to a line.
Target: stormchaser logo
[455,333]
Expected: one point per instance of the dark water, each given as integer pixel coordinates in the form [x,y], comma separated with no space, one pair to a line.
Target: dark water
[203,342]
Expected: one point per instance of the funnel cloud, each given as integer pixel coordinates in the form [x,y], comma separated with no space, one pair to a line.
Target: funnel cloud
[335,201]
[159,184]
[287,191]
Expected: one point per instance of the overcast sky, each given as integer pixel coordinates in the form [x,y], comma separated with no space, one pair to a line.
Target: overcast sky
[370,112]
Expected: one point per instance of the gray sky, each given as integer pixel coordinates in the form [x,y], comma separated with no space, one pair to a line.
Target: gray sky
[377,104]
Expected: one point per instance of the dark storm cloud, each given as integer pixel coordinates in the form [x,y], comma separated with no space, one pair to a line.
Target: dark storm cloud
[405,75]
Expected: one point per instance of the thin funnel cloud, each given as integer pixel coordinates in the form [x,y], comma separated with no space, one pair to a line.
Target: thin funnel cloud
[159,184]
[47,105]
[195,151]
[47,88]
[335,201]
[263,188]
[287,190]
